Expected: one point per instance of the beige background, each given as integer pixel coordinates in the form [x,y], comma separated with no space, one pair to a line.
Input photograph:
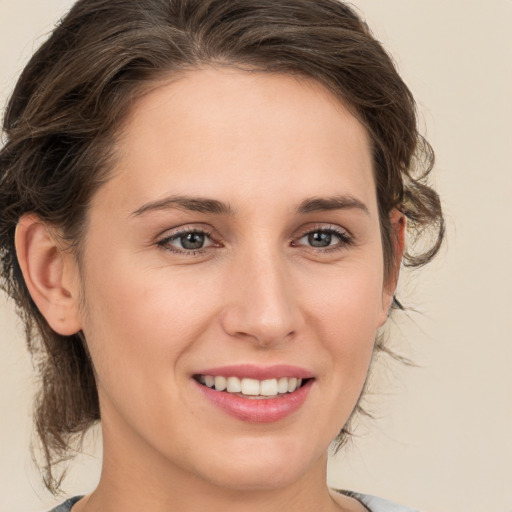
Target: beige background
[443,437]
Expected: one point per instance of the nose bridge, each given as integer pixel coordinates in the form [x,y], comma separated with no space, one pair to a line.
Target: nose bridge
[261,304]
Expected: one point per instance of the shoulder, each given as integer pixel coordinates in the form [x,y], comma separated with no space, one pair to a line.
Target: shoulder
[376,504]
[66,506]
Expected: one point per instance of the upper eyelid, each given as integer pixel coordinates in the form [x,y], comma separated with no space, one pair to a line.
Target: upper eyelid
[170,234]
[164,241]
[173,232]
[337,230]
[209,231]
[325,227]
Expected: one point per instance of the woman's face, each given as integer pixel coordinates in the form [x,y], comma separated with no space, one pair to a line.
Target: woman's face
[239,239]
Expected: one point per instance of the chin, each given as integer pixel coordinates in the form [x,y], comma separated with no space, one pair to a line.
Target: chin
[260,478]
[261,466]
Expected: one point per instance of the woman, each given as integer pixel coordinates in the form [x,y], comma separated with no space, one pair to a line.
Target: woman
[204,207]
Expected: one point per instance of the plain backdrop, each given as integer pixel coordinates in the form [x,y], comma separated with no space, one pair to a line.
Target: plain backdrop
[441,439]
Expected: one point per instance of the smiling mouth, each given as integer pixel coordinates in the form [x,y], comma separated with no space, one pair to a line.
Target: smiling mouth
[252,388]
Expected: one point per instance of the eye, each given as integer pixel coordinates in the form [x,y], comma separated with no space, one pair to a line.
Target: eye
[188,241]
[326,238]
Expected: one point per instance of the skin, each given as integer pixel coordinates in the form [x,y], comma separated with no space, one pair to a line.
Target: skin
[258,293]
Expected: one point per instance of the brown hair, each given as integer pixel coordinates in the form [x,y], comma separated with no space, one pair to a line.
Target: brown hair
[61,122]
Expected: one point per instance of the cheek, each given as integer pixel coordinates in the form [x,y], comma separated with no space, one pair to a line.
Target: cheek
[348,315]
[137,330]
[351,298]
[136,314]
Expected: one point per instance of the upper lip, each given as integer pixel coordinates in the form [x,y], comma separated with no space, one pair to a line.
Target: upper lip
[251,371]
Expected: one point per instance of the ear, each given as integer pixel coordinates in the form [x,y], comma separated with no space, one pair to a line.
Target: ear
[398,228]
[50,274]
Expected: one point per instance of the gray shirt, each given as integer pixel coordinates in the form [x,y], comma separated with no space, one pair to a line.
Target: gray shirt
[372,503]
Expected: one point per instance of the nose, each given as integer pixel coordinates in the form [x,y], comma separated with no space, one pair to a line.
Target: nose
[261,304]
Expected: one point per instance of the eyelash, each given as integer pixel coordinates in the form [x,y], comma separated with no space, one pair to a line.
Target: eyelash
[346,240]
[165,243]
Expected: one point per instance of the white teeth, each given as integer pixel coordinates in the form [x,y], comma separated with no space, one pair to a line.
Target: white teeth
[220,383]
[282,385]
[292,384]
[251,387]
[269,387]
[234,385]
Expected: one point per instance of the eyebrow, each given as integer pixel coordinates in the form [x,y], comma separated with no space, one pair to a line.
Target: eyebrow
[206,205]
[319,204]
[194,204]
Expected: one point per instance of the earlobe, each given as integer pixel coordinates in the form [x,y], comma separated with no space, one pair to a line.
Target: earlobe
[46,270]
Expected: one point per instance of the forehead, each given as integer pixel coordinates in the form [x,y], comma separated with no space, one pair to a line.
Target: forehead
[217,130]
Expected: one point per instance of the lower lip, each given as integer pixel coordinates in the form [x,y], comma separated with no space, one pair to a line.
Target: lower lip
[262,410]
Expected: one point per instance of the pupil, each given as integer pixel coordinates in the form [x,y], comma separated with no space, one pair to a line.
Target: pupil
[192,241]
[319,239]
